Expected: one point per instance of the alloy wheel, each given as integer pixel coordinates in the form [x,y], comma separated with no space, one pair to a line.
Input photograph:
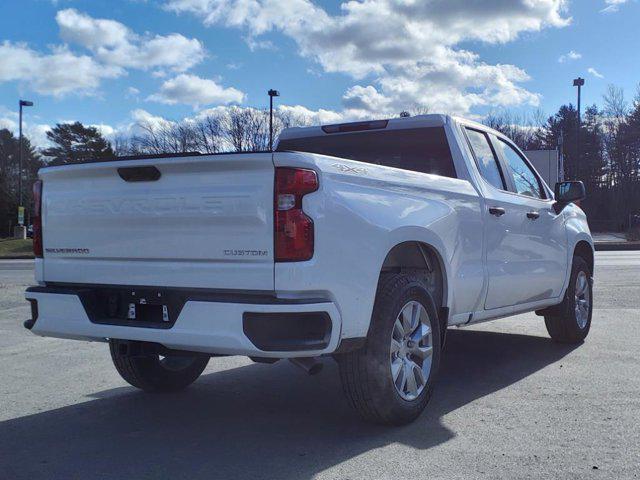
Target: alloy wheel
[582,299]
[411,351]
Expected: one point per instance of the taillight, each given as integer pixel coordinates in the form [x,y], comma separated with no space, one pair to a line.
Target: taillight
[37,218]
[293,229]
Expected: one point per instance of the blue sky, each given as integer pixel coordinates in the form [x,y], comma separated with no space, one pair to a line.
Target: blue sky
[121,62]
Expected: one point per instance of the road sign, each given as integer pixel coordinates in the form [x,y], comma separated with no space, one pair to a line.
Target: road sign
[20,216]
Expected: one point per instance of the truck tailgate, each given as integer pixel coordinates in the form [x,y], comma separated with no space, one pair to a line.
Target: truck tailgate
[207,222]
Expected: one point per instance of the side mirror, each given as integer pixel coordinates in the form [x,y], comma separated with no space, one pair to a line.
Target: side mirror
[568,192]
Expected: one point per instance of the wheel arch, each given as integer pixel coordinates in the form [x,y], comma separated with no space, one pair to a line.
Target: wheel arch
[584,250]
[424,258]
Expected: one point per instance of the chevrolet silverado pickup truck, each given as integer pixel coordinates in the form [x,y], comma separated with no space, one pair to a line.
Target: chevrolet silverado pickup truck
[362,241]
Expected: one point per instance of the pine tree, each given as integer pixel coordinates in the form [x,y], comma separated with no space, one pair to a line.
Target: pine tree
[31,162]
[75,143]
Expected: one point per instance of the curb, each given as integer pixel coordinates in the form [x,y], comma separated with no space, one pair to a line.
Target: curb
[616,247]
[18,257]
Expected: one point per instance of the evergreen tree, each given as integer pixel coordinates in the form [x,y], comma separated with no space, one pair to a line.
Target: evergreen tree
[624,153]
[31,162]
[75,143]
[561,129]
[592,155]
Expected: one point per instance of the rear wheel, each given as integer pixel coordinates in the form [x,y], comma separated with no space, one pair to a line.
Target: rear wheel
[570,321]
[390,380]
[152,372]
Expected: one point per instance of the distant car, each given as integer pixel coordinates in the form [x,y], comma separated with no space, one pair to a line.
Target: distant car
[30,231]
[363,241]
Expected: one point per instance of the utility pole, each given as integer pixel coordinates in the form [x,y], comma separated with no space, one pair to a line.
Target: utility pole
[560,149]
[21,103]
[272,93]
[578,82]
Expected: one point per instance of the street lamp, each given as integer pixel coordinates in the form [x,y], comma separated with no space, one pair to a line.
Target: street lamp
[22,103]
[578,82]
[272,93]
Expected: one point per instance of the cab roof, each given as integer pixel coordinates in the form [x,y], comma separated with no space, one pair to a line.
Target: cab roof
[432,120]
[398,123]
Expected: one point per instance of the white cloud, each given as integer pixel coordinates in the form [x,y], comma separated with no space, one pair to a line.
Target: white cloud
[8,123]
[57,73]
[35,132]
[612,6]
[365,98]
[132,92]
[8,118]
[594,72]
[409,49]
[141,116]
[113,43]
[195,91]
[304,116]
[572,55]
[105,130]
[137,123]
[254,44]
[112,48]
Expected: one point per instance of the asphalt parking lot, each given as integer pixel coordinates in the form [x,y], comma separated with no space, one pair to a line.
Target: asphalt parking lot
[509,404]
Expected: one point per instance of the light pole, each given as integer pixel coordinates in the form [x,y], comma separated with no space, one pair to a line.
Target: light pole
[578,82]
[272,93]
[22,103]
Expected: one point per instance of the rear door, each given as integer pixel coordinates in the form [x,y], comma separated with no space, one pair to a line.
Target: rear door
[205,222]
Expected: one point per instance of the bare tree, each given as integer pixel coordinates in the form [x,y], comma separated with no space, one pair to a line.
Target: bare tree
[247,129]
[615,105]
[523,130]
[208,133]
[165,138]
[123,145]
[234,129]
[418,109]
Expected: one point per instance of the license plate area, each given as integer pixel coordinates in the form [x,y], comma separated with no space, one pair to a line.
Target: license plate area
[148,308]
[146,312]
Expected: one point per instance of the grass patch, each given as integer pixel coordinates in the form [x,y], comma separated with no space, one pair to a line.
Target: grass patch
[15,248]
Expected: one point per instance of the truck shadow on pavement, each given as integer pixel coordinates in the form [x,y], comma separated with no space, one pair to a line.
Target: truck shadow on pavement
[256,421]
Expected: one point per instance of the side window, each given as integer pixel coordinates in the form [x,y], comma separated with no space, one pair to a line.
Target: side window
[526,182]
[486,160]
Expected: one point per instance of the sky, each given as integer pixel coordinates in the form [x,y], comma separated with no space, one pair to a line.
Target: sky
[117,64]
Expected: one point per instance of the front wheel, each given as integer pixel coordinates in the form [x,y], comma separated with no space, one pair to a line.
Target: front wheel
[390,380]
[152,372]
[570,321]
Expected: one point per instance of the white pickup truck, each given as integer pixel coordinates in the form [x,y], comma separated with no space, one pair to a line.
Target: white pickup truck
[363,241]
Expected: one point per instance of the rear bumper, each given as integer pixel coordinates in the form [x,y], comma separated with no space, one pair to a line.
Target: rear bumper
[215,327]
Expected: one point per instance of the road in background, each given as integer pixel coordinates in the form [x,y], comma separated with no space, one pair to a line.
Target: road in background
[509,404]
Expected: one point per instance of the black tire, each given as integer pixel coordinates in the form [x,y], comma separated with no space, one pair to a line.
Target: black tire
[562,320]
[366,373]
[151,373]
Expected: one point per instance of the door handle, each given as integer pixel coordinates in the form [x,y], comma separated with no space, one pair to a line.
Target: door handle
[533,215]
[497,211]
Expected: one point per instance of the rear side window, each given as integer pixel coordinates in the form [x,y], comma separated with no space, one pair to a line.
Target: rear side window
[423,150]
[485,158]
